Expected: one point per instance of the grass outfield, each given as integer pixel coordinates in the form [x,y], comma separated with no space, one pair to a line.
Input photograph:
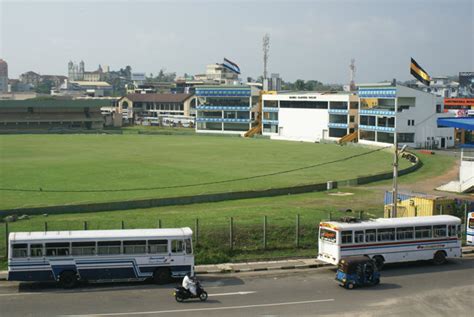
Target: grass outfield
[95,162]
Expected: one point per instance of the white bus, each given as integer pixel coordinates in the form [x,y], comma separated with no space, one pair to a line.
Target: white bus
[389,240]
[98,255]
[470,229]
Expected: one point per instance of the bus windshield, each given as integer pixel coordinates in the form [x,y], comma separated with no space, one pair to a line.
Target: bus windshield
[327,235]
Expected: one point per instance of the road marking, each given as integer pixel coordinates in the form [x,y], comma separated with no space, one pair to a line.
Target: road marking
[205,309]
[18,294]
[234,293]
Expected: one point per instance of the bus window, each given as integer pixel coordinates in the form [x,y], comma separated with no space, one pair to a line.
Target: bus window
[459,231]
[370,235]
[423,232]
[346,237]
[189,249]
[157,246]
[385,234]
[108,247]
[439,231]
[83,248]
[327,235]
[57,249]
[134,247]
[405,233]
[359,236]
[36,250]
[471,223]
[452,231]
[177,246]
[20,250]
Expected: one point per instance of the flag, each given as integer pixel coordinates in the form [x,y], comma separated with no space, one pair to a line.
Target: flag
[419,73]
[231,66]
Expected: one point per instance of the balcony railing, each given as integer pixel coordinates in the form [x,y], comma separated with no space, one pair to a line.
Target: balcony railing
[377,112]
[233,108]
[270,121]
[337,125]
[338,111]
[376,128]
[222,120]
[270,109]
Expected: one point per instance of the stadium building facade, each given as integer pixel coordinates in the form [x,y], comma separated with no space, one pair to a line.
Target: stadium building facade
[225,108]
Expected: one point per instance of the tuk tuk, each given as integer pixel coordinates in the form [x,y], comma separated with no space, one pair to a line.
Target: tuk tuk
[357,271]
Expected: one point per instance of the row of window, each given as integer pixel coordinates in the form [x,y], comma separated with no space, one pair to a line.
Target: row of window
[20,250]
[399,234]
[171,106]
[304,104]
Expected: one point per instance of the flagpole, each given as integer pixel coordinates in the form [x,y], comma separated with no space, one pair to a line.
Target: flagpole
[395,177]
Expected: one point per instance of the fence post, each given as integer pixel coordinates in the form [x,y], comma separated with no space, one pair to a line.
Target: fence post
[45,226]
[6,239]
[123,225]
[264,232]
[297,239]
[440,209]
[159,223]
[85,225]
[360,214]
[330,216]
[231,233]
[196,231]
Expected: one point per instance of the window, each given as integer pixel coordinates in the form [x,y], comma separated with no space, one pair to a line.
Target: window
[57,249]
[452,230]
[36,250]
[405,233]
[346,237]
[304,104]
[370,235]
[20,250]
[406,137]
[108,247]
[30,110]
[423,232]
[385,234]
[177,246]
[439,231]
[83,248]
[471,223]
[327,235]
[189,249]
[157,246]
[351,118]
[134,247]
[359,236]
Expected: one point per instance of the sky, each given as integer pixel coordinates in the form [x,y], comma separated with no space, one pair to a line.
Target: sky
[308,39]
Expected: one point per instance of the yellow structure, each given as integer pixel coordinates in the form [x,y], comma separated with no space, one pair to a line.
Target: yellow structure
[415,204]
[349,137]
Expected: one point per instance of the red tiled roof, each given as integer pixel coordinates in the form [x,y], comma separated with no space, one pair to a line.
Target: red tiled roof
[158,97]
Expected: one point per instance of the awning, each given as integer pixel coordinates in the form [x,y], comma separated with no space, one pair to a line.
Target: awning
[458,123]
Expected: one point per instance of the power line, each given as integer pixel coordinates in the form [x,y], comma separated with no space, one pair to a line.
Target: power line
[191,185]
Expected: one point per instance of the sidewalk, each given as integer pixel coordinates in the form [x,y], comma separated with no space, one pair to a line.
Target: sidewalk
[261,266]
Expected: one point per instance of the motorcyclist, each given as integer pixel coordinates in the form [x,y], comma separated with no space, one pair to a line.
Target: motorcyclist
[189,284]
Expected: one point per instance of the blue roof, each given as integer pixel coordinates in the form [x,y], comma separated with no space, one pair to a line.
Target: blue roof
[459,123]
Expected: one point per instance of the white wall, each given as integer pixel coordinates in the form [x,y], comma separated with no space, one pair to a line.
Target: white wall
[302,124]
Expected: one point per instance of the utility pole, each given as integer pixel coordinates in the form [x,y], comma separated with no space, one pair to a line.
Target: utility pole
[395,176]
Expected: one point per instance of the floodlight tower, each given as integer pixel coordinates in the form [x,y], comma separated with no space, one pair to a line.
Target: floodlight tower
[266,49]
[352,68]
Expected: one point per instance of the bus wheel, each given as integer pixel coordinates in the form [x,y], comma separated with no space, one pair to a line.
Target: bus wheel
[161,276]
[439,258]
[350,285]
[379,261]
[68,279]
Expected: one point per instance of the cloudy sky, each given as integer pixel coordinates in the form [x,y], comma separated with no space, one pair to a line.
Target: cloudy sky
[308,39]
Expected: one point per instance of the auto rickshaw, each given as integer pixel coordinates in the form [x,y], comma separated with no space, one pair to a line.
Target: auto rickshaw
[357,271]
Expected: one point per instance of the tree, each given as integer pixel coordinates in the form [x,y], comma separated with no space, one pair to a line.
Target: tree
[44,87]
[299,84]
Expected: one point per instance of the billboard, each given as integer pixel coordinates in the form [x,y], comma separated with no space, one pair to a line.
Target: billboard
[466,84]
[138,77]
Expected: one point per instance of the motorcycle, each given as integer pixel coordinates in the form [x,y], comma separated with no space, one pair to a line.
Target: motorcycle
[180,293]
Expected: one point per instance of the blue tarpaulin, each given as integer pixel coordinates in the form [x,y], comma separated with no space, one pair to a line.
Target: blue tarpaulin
[459,123]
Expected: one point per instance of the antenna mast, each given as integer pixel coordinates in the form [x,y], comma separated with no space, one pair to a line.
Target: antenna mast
[266,48]
[352,68]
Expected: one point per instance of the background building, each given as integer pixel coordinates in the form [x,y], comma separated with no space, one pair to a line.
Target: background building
[225,108]
[158,109]
[440,86]
[3,76]
[77,72]
[273,83]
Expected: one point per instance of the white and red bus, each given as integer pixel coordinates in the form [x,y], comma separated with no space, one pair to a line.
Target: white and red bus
[470,229]
[390,240]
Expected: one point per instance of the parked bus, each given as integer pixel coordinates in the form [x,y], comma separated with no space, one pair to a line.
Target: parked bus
[389,240]
[470,229]
[100,255]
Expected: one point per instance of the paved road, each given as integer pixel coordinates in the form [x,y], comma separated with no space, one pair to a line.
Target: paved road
[419,289]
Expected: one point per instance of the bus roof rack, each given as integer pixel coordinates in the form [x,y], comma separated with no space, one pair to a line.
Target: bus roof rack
[349,219]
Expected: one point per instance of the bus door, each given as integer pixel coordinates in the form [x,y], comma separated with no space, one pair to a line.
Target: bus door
[470,229]
[181,258]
